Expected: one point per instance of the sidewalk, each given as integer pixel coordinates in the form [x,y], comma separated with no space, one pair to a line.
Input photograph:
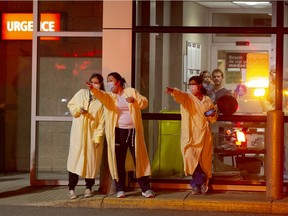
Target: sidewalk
[15,190]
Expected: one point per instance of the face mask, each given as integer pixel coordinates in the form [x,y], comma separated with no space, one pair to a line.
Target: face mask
[97,86]
[110,86]
[192,88]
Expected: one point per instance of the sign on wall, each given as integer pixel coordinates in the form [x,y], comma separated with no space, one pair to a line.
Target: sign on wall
[19,26]
[235,67]
[192,60]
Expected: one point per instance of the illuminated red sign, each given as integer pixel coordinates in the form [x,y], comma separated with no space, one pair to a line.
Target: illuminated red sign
[17,26]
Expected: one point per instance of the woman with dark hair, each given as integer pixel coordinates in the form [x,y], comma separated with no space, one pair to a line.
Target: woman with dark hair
[124,129]
[197,112]
[86,138]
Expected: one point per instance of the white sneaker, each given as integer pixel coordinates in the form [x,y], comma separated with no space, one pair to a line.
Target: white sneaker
[204,188]
[195,191]
[88,193]
[72,194]
[120,194]
[148,194]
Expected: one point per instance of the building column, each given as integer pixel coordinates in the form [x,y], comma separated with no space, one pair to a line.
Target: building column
[116,56]
[117,38]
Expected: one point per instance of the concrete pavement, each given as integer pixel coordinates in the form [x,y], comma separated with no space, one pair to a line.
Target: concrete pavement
[15,190]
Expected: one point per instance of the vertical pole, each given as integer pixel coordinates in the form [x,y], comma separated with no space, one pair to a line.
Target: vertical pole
[274,154]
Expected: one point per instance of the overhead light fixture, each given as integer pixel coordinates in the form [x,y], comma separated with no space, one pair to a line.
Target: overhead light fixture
[251,3]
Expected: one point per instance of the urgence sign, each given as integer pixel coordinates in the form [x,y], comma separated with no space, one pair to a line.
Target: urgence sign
[20,26]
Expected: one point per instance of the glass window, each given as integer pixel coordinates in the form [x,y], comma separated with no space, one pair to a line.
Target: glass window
[63,68]
[235,158]
[238,20]
[285,76]
[169,57]
[239,151]
[52,149]
[75,15]
[15,94]
[285,171]
[202,13]
[172,58]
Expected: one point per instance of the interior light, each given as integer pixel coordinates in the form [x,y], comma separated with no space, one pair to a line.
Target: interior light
[258,83]
[257,70]
[259,92]
[285,92]
[240,136]
[251,3]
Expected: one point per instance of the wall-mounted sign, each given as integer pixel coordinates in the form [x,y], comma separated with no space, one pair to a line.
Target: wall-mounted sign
[19,26]
[235,67]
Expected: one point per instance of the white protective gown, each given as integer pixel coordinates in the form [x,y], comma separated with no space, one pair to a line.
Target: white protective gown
[196,137]
[84,158]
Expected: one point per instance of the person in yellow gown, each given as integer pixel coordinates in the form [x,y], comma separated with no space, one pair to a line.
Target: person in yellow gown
[124,130]
[197,112]
[86,138]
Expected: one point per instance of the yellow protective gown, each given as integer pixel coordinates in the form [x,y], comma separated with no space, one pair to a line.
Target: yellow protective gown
[196,137]
[109,100]
[84,158]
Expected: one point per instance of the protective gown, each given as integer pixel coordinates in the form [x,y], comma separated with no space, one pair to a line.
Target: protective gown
[196,137]
[84,158]
[109,100]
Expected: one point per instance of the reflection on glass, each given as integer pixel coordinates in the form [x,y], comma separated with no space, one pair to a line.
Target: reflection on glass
[63,68]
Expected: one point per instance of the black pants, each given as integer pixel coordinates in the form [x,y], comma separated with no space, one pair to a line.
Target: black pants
[124,139]
[73,181]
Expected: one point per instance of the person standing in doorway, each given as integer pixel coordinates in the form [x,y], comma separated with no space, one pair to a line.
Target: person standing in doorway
[86,138]
[124,130]
[197,112]
[217,77]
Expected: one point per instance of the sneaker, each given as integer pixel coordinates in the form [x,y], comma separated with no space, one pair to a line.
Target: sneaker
[195,191]
[148,194]
[204,188]
[88,193]
[72,194]
[120,194]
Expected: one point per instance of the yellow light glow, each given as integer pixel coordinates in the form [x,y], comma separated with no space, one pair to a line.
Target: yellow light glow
[259,92]
[257,70]
[240,136]
[238,143]
[285,92]
[259,83]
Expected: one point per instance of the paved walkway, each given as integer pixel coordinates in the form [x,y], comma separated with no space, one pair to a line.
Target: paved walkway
[15,190]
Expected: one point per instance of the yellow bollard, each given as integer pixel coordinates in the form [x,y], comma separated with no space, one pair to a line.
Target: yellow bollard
[274,142]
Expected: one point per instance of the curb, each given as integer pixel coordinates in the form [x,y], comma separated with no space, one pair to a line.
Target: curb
[190,202]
